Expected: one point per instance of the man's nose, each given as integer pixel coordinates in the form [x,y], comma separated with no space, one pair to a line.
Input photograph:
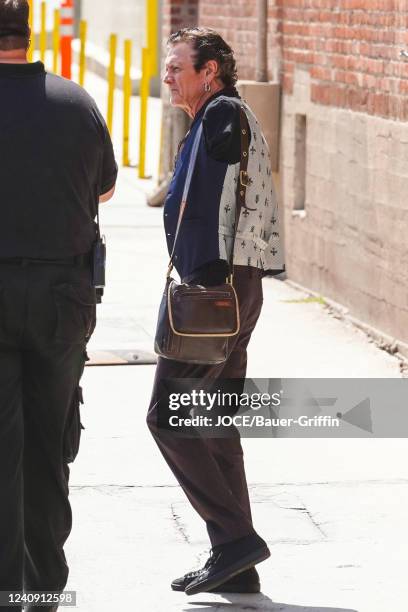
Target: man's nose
[166,78]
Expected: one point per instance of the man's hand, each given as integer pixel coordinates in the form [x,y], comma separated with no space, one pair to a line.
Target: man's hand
[107,196]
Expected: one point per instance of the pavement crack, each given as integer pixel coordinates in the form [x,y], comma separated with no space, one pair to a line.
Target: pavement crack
[315,523]
[180,527]
[305,510]
[296,503]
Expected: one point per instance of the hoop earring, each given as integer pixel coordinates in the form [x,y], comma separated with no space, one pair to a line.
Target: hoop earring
[207,87]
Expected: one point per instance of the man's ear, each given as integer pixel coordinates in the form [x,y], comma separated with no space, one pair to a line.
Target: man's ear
[212,67]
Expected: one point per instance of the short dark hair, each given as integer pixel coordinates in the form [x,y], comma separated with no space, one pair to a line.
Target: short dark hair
[209,45]
[14,28]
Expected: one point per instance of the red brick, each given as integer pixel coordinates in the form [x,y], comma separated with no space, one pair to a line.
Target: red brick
[403,87]
[318,72]
[287,84]
[351,46]
[288,67]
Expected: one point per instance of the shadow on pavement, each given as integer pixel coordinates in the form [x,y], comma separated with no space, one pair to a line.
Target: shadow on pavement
[254,602]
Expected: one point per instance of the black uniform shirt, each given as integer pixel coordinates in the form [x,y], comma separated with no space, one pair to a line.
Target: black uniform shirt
[56,158]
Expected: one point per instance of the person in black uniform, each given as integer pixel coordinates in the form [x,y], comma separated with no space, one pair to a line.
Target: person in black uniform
[56,163]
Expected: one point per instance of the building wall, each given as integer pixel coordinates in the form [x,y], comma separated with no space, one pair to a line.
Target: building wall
[352,50]
[350,241]
[126,18]
[236,21]
[176,14]
[343,144]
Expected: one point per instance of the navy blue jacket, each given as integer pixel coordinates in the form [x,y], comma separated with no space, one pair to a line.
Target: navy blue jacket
[197,250]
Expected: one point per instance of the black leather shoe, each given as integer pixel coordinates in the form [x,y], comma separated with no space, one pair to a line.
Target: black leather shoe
[244,582]
[228,560]
[179,584]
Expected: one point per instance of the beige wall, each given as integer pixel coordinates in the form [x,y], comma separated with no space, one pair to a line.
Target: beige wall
[126,18]
[351,242]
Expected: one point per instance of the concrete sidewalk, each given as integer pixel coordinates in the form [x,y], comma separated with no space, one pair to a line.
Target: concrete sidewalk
[332,510]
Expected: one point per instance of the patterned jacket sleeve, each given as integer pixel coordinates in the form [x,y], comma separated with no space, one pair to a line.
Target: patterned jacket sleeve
[221,128]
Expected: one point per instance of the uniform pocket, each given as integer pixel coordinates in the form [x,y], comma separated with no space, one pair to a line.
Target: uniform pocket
[76,313]
[73,428]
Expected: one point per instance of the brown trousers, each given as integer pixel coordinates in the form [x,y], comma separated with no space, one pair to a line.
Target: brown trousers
[211,470]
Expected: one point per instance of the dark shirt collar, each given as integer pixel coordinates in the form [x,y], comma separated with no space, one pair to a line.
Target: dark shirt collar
[230,91]
[21,70]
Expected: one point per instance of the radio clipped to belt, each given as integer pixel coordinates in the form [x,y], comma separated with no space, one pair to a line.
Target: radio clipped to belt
[98,262]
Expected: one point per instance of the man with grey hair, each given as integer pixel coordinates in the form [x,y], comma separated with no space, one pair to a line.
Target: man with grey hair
[229,229]
[57,163]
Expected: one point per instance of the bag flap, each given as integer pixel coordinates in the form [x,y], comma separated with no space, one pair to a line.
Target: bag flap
[203,311]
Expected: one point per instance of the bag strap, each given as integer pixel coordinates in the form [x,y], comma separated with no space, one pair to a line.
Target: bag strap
[242,182]
[240,191]
[191,164]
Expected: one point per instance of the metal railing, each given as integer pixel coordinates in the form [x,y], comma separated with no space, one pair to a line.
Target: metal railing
[59,40]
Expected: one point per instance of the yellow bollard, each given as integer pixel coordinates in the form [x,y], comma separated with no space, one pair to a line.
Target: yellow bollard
[111,79]
[82,57]
[56,41]
[127,92]
[144,96]
[152,34]
[32,36]
[43,31]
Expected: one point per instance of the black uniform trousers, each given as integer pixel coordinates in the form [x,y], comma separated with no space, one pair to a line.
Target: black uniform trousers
[211,470]
[47,314]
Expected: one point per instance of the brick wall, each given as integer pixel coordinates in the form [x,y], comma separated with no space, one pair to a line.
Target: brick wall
[344,181]
[348,243]
[351,48]
[236,21]
[178,14]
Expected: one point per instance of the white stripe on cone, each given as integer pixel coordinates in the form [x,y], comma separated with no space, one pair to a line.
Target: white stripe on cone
[67,30]
[67,12]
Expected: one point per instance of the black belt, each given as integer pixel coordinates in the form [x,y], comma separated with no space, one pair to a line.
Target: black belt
[77,260]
